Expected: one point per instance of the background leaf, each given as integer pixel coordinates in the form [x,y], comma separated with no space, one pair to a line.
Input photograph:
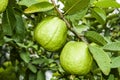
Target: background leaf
[40,75]
[32,76]
[99,14]
[101,58]
[8,22]
[74,18]
[19,28]
[95,37]
[81,28]
[113,46]
[1,36]
[25,57]
[32,68]
[111,77]
[38,61]
[115,62]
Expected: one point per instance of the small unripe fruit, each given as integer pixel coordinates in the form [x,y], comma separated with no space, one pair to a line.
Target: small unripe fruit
[75,58]
[3,5]
[51,33]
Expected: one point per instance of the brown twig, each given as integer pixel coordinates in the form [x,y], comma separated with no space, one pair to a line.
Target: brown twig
[65,20]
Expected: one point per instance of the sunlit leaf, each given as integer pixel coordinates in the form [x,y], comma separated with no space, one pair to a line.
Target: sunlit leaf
[39,7]
[113,46]
[101,58]
[73,6]
[107,4]
[99,14]
[29,2]
[115,62]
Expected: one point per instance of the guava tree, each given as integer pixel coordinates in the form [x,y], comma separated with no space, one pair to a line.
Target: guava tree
[63,39]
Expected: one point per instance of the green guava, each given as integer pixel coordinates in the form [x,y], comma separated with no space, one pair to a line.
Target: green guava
[3,5]
[75,58]
[51,33]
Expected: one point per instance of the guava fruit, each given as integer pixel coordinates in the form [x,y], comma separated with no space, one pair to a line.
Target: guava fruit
[51,33]
[75,58]
[3,5]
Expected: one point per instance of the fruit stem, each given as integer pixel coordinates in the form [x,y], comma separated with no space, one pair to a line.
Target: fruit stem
[67,23]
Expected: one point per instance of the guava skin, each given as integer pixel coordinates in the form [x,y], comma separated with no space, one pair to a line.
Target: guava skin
[75,58]
[3,5]
[51,33]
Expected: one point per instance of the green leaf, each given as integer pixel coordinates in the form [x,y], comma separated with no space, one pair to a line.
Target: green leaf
[6,39]
[118,70]
[107,4]
[20,30]
[31,76]
[73,6]
[8,21]
[38,61]
[39,7]
[115,62]
[81,28]
[32,68]
[25,57]
[111,77]
[99,14]
[95,37]
[40,75]
[48,61]
[1,37]
[101,58]
[74,18]
[113,46]
[29,2]
[21,45]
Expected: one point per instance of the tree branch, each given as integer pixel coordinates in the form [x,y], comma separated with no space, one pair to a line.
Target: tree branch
[65,20]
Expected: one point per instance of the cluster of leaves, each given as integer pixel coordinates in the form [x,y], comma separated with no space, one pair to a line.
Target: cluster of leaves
[96,20]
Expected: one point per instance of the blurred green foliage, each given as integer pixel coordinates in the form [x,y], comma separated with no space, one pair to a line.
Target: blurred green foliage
[31,61]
